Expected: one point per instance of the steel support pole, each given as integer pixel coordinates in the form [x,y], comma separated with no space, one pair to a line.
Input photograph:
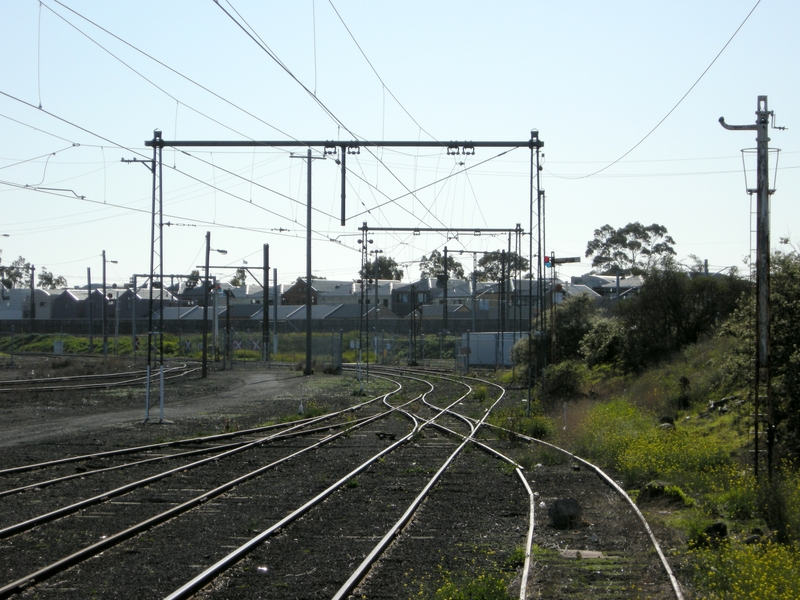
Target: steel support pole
[275,308]
[444,319]
[308,267]
[762,271]
[205,308]
[91,320]
[105,336]
[265,301]
[33,301]
[762,362]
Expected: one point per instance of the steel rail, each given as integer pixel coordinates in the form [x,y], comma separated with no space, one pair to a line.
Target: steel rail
[523,586]
[361,571]
[616,487]
[518,470]
[235,556]
[220,566]
[138,375]
[199,451]
[105,496]
[104,544]
[186,441]
[94,386]
[676,587]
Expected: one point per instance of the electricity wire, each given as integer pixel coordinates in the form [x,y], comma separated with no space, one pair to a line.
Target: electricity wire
[253,35]
[148,80]
[172,70]
[68,122]
[649,133]
[374,70]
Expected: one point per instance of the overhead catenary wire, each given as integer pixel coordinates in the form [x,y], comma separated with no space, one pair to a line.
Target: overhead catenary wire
[74,196]
[148,80]
[71,124]
[253,35]
[374,70]
[672,110]
[175,71]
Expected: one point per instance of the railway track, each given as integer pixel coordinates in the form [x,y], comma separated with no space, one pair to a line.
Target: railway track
[93,382]
[365,501]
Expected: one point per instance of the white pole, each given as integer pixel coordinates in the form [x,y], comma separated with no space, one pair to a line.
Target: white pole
[147,396]
[161,400]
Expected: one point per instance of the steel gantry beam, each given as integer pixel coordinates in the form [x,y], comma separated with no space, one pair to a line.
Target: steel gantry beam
[343,148]
[350,147]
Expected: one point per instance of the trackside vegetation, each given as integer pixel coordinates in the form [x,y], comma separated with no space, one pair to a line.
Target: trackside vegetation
[657,388]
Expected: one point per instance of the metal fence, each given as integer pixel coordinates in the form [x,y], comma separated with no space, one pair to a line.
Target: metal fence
[329,350]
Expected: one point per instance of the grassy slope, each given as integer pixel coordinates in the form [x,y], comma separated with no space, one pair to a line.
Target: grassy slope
[708,456]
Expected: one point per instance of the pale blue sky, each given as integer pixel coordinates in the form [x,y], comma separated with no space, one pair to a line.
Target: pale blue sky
[593,77]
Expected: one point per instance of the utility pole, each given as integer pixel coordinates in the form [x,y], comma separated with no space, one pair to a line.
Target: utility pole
[33,301]
[309,158]
[444,318]
[204,371]
[265,302]
[89,298]
[105,338]
[763,383]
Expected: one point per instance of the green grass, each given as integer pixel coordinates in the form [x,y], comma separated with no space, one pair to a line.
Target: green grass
[739,571]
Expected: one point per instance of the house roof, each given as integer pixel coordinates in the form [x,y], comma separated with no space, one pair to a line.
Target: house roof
[436,310]
[626,283]
[318,311]
[577,290]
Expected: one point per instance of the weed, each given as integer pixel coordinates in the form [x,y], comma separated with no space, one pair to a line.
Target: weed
[767,572]
[516,420]
[482,585]
[515,560]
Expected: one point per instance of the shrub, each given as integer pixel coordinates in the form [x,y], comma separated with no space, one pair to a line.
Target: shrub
[534,425]
[609,429]
[767,572]
[730,491]
[479,586]
[604,343]
[563,380]
[668,454]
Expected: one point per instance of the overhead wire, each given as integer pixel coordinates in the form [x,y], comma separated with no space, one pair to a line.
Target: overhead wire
[37,129]
[374,70]
[166,92]
[47,156]
[432,183]
[253,183]
[71,124]
[253,35]
[141,75]
[75,196]
[36,188]
[175,71]
[677,104]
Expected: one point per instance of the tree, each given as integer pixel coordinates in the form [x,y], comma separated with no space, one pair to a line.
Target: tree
[193,280]
[674,309]
[239,278]
[784,352]
[433,265]
[634,248]
[387,269]
[49,281]
[574,318]
[490,266]
[18,274]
